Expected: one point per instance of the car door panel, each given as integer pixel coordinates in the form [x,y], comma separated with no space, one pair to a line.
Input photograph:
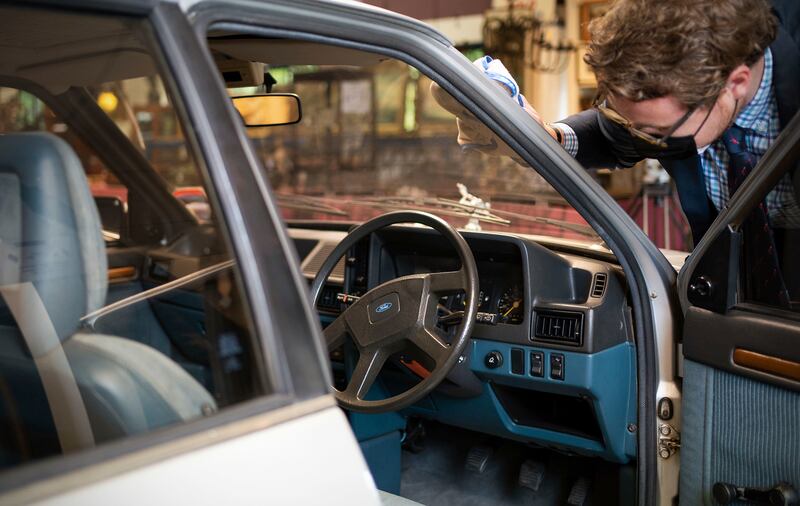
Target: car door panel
[745,343]
[136,322]
[741,419]
[736,430]
[243,464]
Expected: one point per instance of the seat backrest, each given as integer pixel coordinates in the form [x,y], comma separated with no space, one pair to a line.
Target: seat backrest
[66,390]
[50,232]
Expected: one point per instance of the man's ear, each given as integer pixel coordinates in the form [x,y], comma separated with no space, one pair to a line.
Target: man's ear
[739,81]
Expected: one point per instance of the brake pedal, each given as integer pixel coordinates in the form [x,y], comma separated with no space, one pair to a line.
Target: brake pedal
[531,475]
[578,492]
[478,458]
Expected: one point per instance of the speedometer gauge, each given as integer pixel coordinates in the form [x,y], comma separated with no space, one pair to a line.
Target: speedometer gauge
[509,306]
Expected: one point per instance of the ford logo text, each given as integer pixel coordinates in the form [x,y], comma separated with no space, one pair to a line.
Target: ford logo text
[383,307]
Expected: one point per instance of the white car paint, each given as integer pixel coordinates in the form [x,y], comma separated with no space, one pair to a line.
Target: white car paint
[310,459]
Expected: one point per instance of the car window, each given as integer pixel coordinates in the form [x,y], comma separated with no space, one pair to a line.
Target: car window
[769,274]
[139,108]
[105,337]
[376,134]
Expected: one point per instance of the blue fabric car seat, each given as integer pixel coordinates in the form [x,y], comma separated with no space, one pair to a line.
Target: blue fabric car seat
[61,389]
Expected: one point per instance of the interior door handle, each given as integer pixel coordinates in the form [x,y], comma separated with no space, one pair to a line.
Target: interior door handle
[782,494]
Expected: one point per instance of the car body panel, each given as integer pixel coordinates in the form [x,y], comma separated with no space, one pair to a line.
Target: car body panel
[253,461]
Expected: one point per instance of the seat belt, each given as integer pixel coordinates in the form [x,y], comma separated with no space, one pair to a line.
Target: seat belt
[63,396]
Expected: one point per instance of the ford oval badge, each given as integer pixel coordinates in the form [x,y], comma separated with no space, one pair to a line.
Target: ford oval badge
[383,307]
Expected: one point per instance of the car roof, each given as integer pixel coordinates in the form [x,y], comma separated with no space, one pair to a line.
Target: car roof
[352,8]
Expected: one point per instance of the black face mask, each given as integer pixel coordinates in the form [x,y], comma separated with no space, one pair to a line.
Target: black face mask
[630,149]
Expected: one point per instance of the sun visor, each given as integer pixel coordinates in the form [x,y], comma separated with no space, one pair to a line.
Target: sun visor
[286,52]
[91,70]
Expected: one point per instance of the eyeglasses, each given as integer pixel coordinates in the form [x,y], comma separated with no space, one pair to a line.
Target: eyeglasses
[660,142]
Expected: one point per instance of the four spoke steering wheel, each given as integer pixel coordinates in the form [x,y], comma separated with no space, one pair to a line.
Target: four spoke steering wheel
[385,319]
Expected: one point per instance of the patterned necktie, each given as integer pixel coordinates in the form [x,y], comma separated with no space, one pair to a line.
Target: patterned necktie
[762,277]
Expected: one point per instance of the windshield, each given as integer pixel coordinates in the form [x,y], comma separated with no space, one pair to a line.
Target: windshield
[375,136]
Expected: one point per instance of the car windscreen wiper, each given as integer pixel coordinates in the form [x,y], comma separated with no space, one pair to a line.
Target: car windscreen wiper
[306,203]
[578,228]
[442,206]
[584,230]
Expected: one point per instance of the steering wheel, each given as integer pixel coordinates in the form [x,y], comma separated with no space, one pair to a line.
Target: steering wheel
[386,318]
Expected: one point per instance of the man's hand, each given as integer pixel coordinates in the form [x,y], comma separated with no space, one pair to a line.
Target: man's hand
[473,134]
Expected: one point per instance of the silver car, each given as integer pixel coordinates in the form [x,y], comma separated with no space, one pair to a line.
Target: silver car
[355,309]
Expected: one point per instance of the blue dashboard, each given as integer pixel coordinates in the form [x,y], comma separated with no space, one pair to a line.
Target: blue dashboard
[551,360]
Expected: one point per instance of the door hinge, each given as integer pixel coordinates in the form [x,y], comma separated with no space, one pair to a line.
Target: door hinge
[669,440]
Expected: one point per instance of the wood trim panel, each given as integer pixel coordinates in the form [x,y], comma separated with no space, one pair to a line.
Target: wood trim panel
[772,365]
[116,273]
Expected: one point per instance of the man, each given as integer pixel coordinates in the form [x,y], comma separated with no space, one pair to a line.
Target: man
[703,86]
[673,77]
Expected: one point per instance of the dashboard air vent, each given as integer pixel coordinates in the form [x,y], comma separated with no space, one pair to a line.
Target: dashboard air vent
[599,285]
[562,327]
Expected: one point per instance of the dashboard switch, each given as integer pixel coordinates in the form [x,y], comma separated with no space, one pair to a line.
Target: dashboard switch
[517,361]
[537,364]
[493,360]
[557,366]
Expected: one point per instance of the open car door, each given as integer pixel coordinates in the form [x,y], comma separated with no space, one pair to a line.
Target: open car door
[740,434]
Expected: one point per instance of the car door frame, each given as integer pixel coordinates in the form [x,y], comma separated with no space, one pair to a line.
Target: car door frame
[289,336]
[651,278]
[716,305]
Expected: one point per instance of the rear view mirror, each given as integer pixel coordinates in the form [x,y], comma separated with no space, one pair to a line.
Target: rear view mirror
[268,110]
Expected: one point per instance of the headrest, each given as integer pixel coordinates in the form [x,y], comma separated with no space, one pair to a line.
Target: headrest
[50,231]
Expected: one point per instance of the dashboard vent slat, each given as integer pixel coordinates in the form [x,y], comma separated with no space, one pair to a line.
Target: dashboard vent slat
[599,285]
[563,327]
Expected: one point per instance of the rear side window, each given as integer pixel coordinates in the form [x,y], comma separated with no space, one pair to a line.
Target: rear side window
[121,306]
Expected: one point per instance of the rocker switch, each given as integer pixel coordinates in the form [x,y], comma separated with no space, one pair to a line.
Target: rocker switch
[557,366]
[537,364]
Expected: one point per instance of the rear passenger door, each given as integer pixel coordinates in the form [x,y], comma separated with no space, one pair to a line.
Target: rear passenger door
[740,432]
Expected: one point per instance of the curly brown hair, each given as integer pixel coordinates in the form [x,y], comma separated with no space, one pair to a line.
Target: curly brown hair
[643,49]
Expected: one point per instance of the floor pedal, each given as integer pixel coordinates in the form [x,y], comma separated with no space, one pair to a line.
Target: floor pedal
[578,492]
[478,458]
[531,475]
[414,440]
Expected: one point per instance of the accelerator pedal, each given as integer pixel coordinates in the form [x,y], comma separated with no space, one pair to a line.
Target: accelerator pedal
[531,475]
[478,458]
[578,492]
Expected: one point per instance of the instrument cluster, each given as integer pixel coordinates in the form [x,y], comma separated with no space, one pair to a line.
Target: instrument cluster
[499,303]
